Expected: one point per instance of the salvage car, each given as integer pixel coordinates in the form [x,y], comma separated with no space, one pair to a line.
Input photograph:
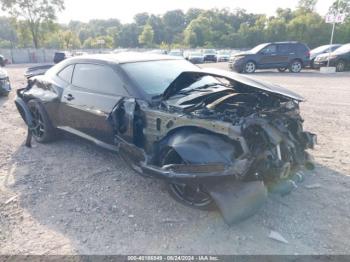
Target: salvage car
[218,139]
[5,86]
[340,58]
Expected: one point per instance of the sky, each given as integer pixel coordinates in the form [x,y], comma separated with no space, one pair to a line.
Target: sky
[84,10]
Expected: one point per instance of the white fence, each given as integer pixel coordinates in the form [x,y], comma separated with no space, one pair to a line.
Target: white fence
[25,56]
[21,56]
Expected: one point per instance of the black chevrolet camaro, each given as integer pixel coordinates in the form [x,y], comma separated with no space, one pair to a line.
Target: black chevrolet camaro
[218,139]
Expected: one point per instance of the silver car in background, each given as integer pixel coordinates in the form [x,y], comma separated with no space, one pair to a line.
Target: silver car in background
[5,86]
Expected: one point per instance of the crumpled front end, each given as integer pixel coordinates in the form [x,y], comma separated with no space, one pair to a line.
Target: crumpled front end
[232,142]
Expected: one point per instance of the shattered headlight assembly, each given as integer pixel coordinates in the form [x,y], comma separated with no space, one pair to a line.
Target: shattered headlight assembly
[292,106]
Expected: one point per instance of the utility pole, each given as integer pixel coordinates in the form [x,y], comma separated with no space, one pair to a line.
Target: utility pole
[332,35]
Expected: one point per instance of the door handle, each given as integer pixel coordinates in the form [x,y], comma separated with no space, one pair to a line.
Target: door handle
[69,97]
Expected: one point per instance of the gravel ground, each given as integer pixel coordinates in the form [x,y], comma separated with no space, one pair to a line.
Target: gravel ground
[71,197]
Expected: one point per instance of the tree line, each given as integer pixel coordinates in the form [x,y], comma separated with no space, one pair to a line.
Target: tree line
[32,24]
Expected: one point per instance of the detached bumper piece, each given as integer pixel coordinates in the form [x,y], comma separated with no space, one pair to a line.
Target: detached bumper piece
[239,200]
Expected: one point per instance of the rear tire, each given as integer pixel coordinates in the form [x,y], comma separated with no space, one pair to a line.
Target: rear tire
[43,131]
[192,195]
[295,66]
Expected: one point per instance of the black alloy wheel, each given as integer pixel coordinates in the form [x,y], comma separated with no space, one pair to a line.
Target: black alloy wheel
[193,195]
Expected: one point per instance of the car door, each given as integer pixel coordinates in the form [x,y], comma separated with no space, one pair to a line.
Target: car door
[282,59]
[268,57]
[88,101]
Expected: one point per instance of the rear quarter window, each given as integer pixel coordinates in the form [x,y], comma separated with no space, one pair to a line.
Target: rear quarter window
[66,74]
[302,48]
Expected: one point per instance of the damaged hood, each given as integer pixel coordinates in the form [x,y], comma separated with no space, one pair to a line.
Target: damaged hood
[187,78]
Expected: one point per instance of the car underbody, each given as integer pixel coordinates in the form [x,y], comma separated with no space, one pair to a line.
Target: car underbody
[229,144]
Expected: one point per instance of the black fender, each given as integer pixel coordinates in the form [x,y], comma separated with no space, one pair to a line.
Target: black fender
[26,115]
[201,147]
[24,111]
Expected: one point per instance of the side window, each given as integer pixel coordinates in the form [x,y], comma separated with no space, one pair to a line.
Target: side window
[270,49]
[66,73]
[302,48]
[284,49]
[333,48]
[99,79]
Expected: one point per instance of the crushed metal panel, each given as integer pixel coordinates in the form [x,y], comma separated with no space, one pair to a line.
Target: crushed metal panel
[238,200]
[188,77]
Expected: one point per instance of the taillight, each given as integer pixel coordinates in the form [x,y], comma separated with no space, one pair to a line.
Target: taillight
[307,54]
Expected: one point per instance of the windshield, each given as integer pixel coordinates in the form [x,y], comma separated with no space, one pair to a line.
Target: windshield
[210,51]
[224,52]
[176,53]
[320,49]
[342,49]
[195,54]
[153,77]
[258,48]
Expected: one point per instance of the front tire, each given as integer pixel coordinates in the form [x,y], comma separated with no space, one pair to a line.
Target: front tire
[249,67]
[295,66]
[43,131]
[192,195]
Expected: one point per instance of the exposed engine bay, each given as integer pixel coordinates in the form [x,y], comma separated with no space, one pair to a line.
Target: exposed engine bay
[224,132]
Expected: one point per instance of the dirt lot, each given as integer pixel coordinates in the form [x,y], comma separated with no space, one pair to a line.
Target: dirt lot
[71,197]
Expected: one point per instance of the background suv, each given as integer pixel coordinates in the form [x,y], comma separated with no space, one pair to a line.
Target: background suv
[60,56]
[281,55]
[340,58]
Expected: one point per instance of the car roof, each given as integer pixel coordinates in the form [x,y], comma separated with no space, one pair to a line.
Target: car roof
[125,57]
[286,42]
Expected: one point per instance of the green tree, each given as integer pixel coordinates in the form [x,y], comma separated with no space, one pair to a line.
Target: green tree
[147,36]
[174,23]
[34,12]
[70,40]
[158,28]
[307,5]
[8,34]
[141,19]
[128,36]
[197,32]
[340,6]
